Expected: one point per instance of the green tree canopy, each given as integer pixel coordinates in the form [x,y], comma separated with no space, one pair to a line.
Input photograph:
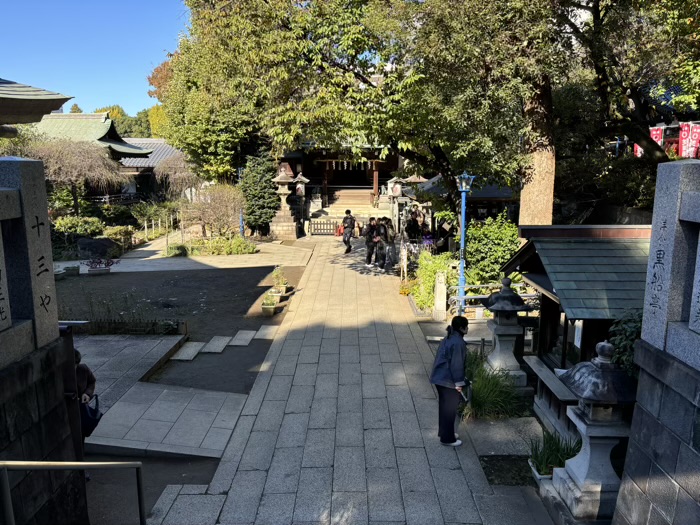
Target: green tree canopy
[448,84]
[75,108]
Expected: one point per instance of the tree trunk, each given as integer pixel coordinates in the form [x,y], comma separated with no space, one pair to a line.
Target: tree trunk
[537,195]
[76,201]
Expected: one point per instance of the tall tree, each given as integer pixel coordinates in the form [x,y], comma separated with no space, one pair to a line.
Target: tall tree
[75,108]
[141,126]
[157,120]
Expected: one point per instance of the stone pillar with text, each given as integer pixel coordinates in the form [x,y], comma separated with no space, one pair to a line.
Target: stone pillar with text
[34,412]
[661,478]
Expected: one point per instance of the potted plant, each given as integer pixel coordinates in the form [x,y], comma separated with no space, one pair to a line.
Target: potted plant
[269,305]
[99,266]
[279,281]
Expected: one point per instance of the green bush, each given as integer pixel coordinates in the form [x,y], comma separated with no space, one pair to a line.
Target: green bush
[117,215]
[489,246]
[428,267]
[623,334]
[82,226]
[217,246]
[493,392]
[176,250]
[120,234]
[552,452]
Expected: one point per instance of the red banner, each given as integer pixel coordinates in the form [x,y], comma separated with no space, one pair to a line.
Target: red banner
[694,142]
[684,141]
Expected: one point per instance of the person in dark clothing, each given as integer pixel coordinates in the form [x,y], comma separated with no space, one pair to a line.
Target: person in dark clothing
[391,258]
[369,232]
[348,230]
[85,379]
[413,228]
[449,379]
[382,242]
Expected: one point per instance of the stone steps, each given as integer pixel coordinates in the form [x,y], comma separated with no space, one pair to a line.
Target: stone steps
[218,343]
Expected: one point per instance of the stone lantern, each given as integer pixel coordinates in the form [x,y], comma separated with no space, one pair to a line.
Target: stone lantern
[283,225]
[588,484]
[504,326]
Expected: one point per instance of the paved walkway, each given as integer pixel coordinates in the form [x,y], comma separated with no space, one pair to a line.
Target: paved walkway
[340,427]
[148,258]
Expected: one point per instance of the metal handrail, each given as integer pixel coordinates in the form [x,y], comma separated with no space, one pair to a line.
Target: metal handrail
[6,495]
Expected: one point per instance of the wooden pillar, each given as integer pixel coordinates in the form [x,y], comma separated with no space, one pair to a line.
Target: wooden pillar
[324,187]
[375,182]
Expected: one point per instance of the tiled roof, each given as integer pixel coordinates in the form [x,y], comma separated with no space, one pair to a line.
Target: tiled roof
[88,127]
[435,187]
[160,151]
[592,278]
[20,104]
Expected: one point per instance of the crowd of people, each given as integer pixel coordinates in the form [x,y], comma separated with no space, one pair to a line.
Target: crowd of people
[379,235]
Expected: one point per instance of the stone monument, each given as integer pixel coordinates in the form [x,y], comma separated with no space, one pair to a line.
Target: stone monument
[661,479]
[36,368]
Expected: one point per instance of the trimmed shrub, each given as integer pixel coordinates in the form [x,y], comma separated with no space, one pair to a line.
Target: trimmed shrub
[217,246]
[121,235]
[82,226]
[428,267]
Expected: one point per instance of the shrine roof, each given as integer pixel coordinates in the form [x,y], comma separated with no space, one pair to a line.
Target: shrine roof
[21,104]
[89,127]
[591,278]
[160,150]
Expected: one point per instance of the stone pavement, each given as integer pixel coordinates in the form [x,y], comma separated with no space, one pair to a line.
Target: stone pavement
[147,259]
[340,426]
[119,361]
[155,419]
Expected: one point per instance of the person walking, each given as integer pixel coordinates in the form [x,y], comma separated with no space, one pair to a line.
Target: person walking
[348,230]
[369,232]
[391,259]
[449,379]
[382,243]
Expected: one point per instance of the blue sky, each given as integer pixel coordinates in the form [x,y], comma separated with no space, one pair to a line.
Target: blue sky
[98,51]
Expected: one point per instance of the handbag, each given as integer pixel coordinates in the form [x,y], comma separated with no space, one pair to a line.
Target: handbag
[90,417]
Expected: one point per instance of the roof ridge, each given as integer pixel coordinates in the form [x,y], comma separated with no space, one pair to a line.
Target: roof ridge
[78,116]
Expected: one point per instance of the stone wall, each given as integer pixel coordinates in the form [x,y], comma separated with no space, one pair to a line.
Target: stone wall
[38,422]
[661,482]
[34,426]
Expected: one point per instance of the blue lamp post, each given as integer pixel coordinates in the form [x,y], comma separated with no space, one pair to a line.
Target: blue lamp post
[241,222]
[464,181]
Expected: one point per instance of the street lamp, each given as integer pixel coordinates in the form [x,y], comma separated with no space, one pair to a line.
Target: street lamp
[464,182]
[241,222]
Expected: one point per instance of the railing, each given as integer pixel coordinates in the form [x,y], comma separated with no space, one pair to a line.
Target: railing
[119,198]
[455,300]
[322,227]
[6,495]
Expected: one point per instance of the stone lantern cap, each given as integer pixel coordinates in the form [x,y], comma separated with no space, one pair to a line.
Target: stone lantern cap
[600,382]
[300,178]
[506,300]
[283,178]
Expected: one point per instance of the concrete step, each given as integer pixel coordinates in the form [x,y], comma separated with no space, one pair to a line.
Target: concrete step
[188,351]
[216,345]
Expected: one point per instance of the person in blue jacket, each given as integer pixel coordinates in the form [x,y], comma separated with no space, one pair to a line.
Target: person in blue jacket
[448,378]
